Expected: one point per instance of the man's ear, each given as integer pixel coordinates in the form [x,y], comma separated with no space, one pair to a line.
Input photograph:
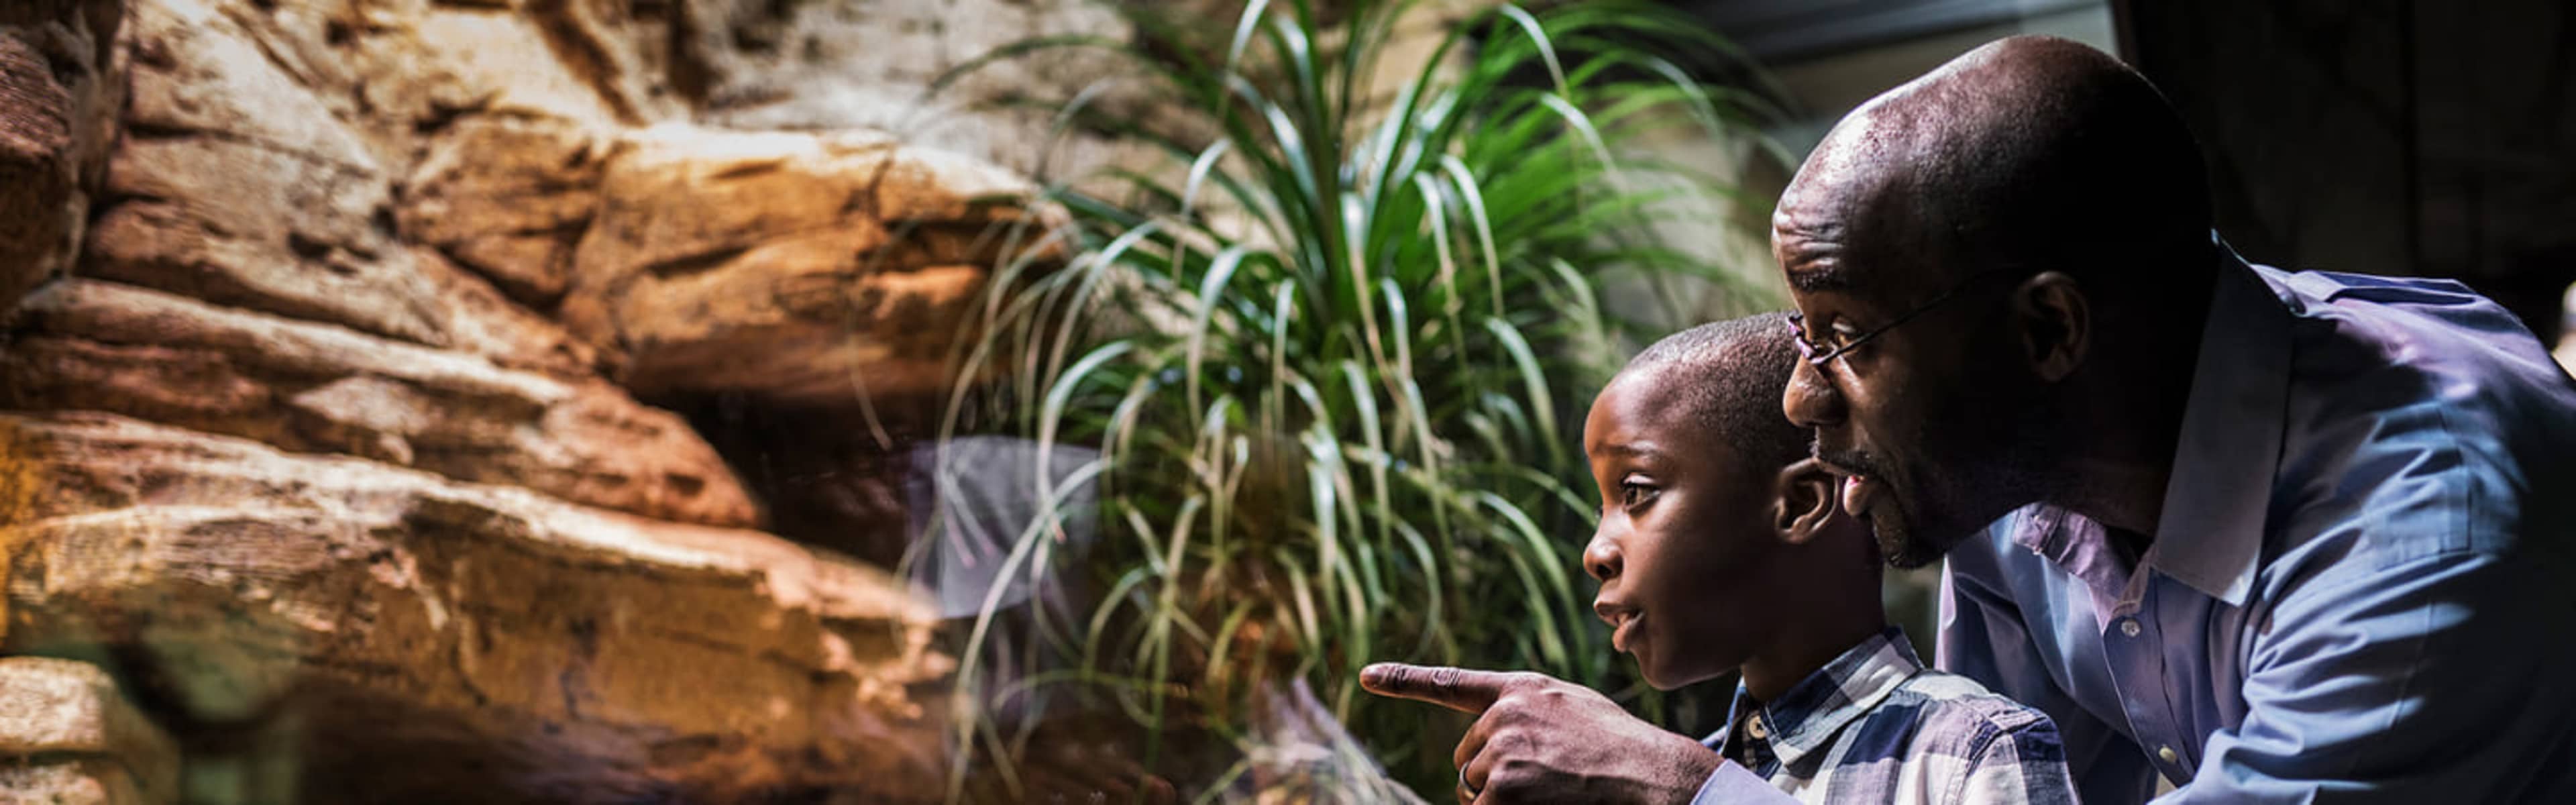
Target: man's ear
[1804,500]
[2056,324]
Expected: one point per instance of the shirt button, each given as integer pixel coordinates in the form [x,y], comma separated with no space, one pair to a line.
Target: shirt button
[2129,626]
[1753,727]
[2167,753]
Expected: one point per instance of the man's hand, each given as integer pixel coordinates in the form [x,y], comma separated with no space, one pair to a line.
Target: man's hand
[1542,739]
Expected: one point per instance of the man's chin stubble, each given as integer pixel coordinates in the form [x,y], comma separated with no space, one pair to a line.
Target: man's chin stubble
[1899,544]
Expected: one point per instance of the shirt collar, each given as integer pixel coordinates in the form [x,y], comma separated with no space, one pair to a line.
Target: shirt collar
[2209,533]
[1808,716]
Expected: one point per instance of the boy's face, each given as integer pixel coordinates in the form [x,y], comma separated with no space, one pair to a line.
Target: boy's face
[1685,535]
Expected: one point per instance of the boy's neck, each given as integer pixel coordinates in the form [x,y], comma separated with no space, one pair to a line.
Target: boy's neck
[1808,646]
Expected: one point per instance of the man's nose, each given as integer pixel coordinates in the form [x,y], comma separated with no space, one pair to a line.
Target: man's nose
[1810,400]
[1601,557]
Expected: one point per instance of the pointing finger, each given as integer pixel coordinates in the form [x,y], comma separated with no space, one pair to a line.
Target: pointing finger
[1455,688]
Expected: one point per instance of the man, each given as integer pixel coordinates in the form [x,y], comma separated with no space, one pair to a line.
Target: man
[2273,537]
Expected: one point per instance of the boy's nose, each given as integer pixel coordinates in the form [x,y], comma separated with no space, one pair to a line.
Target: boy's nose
[1601,558]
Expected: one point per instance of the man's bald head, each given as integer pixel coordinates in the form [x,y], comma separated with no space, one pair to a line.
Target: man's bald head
[2039,162]
[2030,152]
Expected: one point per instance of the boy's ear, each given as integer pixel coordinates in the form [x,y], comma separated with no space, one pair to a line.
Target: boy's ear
[1805,501]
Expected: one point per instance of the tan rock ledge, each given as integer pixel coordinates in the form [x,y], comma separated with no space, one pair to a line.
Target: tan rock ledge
[806,269]
[68,735]
[419,639]
[307,386]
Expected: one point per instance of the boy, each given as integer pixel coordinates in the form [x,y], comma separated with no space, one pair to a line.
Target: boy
[1721,547]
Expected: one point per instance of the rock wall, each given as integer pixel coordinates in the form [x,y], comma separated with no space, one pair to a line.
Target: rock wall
[834,64]
[344,349]
[70,737]
[433,640]
[61,84]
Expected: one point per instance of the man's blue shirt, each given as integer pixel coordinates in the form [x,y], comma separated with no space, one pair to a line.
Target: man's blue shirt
[2360,586]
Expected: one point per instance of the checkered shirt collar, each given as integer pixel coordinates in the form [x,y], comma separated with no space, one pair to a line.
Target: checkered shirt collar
[1807,717]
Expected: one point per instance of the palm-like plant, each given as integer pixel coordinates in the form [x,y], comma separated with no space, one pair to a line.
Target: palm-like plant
[1331,359]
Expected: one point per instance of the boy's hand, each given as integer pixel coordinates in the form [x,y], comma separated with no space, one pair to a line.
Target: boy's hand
[1541,739]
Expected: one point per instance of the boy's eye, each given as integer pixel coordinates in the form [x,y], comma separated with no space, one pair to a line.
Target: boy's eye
[1632,493]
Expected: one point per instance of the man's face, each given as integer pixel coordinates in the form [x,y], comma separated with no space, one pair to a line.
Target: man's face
[1684,542]
[1919,419]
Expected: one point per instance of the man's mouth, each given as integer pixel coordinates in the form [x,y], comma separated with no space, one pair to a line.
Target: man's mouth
[1859,491]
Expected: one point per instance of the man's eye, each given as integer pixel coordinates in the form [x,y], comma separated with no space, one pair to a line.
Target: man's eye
[1632,493]
[1839,335]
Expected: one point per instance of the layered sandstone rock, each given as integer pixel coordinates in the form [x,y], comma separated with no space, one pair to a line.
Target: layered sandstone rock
[510,198]
[498,644]
[236,185]
[262,170]
[61,83]
[807,269]
[903,67]
[89,345]
[329,374]
[69,735]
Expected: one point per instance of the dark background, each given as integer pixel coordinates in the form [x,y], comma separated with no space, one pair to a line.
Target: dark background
[2412,137]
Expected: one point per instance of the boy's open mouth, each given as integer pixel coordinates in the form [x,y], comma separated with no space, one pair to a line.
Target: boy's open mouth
[1621,629]
[1622,619]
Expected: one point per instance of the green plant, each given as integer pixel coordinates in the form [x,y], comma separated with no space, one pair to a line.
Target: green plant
[1334,359]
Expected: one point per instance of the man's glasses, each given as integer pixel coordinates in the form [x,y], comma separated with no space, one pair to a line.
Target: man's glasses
[1819,353]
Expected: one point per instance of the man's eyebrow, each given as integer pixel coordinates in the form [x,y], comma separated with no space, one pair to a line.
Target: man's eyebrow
[1811,254]
[1820,278]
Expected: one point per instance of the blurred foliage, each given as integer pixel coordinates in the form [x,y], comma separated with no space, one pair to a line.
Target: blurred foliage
[1334,359]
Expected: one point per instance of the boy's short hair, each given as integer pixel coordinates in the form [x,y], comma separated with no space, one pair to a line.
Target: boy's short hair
[1731,375]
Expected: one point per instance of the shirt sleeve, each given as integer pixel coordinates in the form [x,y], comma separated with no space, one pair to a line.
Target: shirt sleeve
[2435,679]
[1733,784]
[1982,637]
[2021,766]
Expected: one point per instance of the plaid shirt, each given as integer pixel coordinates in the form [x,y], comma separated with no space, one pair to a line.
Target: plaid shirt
[1875,726]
